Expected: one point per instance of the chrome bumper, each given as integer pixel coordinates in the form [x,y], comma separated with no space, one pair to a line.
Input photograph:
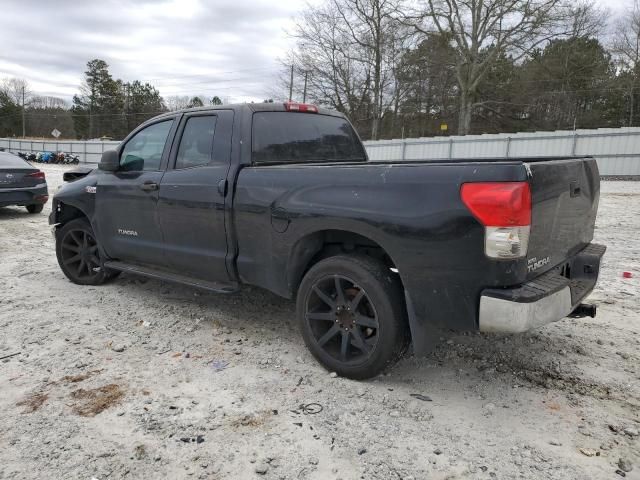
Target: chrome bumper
[547,298]
[497,315]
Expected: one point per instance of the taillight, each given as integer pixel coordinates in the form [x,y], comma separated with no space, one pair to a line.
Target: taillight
[39,174]
[504,208]
[300,107]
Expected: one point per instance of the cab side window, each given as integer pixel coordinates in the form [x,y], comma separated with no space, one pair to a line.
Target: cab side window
[196,144]
[144,150]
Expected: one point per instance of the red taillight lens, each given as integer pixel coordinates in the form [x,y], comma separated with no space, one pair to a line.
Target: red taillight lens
[39,174]
[300,107]
[498,204]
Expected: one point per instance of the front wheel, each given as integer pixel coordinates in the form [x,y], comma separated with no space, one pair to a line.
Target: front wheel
[352,315]
[78,254]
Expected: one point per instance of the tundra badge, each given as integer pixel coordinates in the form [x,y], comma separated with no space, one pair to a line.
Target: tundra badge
[534,264]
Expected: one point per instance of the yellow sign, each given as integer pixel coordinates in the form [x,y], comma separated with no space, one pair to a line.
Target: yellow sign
[444,127]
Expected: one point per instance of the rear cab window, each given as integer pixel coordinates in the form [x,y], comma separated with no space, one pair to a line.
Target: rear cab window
[286,137]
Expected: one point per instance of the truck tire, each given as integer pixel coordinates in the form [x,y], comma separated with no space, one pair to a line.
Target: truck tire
[352,315]
[35,208]
[78,254]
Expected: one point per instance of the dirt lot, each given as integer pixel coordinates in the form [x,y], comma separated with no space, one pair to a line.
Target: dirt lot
[143,379]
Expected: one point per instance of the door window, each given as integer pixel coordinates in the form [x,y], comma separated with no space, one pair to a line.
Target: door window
[196,144]
[144,150]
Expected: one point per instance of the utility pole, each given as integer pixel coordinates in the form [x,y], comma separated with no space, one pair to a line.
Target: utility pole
[291,85]
[304,95]
[90,117]
[24,130]
[126,106]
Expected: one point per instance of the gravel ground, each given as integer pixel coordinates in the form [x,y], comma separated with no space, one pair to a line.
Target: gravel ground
[144,379]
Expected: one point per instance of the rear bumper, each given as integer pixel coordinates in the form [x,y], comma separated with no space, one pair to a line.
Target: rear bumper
[550,297]
[24,196]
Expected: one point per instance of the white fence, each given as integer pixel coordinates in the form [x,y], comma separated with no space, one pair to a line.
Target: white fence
[617,150]
[89,152]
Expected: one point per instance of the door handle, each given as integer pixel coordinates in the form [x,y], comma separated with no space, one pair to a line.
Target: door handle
[149,186]
[222,187]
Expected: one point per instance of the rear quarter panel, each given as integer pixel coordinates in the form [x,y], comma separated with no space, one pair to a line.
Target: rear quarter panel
[413,211]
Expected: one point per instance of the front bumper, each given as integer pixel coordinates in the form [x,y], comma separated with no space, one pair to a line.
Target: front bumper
[24,195]
[550,297]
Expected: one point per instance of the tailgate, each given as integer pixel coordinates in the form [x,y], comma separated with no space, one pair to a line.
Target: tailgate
[565,196]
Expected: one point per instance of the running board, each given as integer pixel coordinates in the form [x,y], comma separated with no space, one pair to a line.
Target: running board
[171,277]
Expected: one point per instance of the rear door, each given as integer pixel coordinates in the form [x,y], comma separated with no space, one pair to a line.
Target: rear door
[127,200]
[192,196]
[565,195]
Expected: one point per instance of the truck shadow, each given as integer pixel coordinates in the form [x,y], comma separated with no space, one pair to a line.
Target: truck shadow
[548,358]
[12,213]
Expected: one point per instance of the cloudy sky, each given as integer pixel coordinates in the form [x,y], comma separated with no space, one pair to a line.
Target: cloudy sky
[228,48]
[210,47]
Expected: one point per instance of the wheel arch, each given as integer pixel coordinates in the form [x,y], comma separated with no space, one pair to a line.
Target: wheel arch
[65,212]
[315,246]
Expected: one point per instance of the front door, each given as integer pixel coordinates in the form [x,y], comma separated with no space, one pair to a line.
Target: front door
[191,204]
[127,200]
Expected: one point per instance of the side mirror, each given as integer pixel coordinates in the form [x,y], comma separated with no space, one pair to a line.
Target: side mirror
[110,161]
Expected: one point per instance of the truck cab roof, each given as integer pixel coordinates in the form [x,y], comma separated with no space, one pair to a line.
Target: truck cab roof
[238,107]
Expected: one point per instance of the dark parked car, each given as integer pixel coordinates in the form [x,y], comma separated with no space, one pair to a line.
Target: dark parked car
[376,254]
[21,184]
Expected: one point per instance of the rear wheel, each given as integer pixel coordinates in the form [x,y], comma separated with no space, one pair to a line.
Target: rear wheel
[37,208]
[78,254]
[352,315]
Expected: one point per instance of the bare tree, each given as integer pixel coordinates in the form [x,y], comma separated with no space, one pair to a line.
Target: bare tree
[372,25]
[177,102]
[18,91]
[347,52]
[483,30]
[336,75]
[626,47]
[40,102]
[587,19]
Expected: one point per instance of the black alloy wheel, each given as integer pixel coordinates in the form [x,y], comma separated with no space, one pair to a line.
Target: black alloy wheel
[343,320]
[352,315]
[79,255]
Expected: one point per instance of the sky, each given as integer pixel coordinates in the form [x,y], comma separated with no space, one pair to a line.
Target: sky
[227,48]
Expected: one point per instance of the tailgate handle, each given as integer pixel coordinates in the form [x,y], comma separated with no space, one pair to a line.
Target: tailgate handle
[575,189]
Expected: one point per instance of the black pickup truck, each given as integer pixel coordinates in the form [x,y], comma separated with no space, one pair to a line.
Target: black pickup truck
[378,255]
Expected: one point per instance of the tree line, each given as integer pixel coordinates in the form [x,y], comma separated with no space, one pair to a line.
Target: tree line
[404,68]
[104,107]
